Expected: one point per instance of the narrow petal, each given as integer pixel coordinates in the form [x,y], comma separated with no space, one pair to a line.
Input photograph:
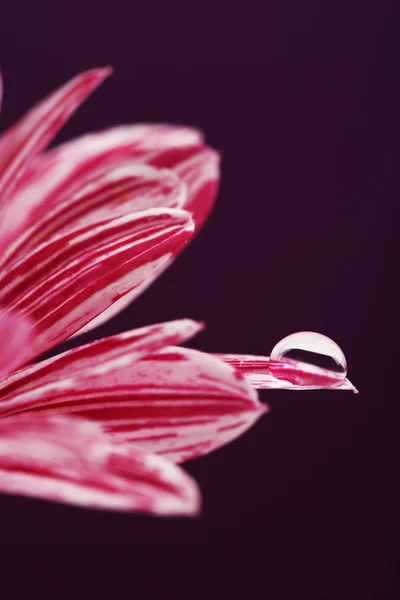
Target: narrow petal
[94,192]
[160,145]
[69,460]
[177,402]
[16,336]
[23,142]
[62,172]
[67,282]
[257,371]
[91,365]
[201,174]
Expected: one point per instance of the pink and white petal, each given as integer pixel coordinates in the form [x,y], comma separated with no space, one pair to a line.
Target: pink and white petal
[111,311]
[262,374]
[68,460]
[63,171]
[177,402]
[16,335]
[201,174]
[90,366]
[25,140]
[65,283]
[95,193]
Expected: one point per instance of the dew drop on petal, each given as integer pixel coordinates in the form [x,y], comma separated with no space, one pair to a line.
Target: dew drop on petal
[309,359]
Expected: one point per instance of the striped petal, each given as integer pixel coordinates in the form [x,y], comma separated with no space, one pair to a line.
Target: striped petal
[67,282]
[1,91]
[177,402]
[90,365]
[200,172]
[95,192]
[159,144]
[16,335]
[69,460]
[258,372]
[60,174]
[23,142]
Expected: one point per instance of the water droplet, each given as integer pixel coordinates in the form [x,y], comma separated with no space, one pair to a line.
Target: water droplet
[309,359]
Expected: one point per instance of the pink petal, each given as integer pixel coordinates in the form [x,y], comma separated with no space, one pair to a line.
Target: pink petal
[112,310]
[16,336]
[257,371]
[68,460]
[65,283]
[178,402]
[158,143]
[96,191]
[90,365]
[200,172]
[63,171]
[23,142]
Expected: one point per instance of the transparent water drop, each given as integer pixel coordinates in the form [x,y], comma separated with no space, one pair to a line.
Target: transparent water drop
[310,359]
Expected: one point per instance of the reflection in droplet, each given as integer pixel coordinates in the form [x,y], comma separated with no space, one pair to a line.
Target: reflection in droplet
[310,359]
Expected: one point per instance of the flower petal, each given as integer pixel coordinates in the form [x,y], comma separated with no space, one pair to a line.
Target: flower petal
[65,283]
[148,142]
[256,370]
[69,460]
[96,191]
[90,365]
[16,336]
[64,170]
[177,402]
[200,172]
[25,140]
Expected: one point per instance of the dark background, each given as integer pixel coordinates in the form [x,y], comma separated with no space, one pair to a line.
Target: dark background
[299,98]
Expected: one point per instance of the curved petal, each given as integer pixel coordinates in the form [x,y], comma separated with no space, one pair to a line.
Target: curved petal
[16,335]
[64,170]
[65,283]
[69,460]
[156,144]
[177,402]
[25,140]
[201,174]
[90,365]
[115,308]
[257,371]
[96,192]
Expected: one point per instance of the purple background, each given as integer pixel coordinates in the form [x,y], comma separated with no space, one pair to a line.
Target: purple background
[298,98]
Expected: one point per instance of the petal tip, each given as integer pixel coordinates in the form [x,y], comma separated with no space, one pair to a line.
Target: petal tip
[192,327]
[104,72]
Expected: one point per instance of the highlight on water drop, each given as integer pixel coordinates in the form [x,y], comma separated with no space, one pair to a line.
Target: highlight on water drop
[310,359]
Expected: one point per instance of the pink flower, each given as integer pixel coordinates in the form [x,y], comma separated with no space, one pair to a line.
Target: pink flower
[84,229]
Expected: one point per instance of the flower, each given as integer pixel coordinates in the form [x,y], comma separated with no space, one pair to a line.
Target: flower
[85,228]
